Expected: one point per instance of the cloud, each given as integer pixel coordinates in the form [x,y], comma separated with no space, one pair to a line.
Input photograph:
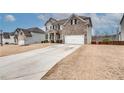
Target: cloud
[9,18]
[43,28]
[42,17]
[105,23]
[61,15]
[45,17]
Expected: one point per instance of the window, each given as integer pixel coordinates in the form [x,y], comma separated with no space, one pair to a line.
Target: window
[58,27]
[53,26]
[50,27]
[74,21]
[71,22]
[21,33]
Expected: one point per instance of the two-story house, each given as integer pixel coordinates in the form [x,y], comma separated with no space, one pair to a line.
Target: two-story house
[73,30]
[7,38]
[29,36]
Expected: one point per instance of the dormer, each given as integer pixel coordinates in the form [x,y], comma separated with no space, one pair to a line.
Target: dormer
[49,24]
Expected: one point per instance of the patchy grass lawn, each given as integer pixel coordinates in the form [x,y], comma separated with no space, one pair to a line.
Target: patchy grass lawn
[90,62]
[14,49]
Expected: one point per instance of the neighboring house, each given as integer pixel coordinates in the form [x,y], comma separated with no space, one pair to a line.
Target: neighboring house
[29,36]
[101,38]
[7,38]
[121,32]
[73,30]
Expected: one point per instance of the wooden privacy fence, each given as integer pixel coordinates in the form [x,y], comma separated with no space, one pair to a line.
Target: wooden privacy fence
[109,43]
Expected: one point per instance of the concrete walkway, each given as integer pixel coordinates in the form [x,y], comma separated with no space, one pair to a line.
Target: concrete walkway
[33,64]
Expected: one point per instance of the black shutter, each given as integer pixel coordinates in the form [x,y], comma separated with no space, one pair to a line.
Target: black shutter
[71,22]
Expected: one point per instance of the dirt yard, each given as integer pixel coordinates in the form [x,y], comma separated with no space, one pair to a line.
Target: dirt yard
[14,49]
[91,62]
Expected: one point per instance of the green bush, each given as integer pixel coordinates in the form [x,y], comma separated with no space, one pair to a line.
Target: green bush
[59,41]
[45,41]
[106,40]
[42,41]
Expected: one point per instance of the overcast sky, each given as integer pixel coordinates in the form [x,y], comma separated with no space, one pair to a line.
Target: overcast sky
[103,23]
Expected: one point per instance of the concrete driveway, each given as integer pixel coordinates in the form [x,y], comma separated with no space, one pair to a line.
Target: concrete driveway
[33,64]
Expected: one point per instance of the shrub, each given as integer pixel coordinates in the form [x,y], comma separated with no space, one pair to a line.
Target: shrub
[93,42]
[106,40]
[42,41]
[52,41]
[59,41]
[46,41]
[6,43]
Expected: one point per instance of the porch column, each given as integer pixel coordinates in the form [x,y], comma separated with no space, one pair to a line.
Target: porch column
[48,36]
[62,38]
[54,37]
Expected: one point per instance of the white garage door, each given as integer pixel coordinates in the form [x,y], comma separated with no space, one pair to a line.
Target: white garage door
[21,42]
[74,39]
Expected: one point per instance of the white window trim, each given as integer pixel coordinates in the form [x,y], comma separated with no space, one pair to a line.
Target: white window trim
[61,27]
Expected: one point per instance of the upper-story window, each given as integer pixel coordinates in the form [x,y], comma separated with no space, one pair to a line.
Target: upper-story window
[54,27]
[51,27]
[74,21]
[71,22]
[58,27]
[21,33]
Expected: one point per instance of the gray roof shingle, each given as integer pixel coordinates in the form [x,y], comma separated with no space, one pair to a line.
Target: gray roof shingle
[6,35]
[28,31]
[62,21]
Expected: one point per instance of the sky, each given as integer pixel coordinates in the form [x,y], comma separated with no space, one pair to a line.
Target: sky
[103,23]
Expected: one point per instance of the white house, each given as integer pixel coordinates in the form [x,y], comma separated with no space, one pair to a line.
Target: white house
[29,36]
[7,38]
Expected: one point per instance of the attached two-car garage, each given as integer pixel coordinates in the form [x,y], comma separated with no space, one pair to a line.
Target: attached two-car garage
[74,39]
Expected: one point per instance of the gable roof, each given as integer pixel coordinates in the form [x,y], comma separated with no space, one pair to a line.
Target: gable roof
[27,32]
[51,20]
[11,33]
[36,30]
[6,35]
[82,18]
[122,19]
[88,19]
[61,22]
[64,21]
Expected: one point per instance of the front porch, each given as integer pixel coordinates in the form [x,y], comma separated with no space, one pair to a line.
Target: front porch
[54,37]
